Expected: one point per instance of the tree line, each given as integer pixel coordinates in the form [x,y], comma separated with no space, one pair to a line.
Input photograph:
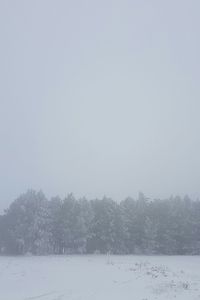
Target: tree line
[33,224]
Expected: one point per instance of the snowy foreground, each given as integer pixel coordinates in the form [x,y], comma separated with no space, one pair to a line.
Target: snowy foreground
[100,278]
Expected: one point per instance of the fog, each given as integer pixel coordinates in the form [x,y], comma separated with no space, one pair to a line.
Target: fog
[99,98]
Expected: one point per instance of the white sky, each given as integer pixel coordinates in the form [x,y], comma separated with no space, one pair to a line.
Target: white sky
[99,97]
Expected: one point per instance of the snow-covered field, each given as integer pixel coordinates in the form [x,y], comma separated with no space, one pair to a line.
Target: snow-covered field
[100,278]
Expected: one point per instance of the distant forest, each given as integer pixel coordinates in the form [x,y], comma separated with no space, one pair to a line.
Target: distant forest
[35,225]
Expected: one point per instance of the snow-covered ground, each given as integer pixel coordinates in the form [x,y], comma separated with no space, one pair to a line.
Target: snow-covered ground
[100,278]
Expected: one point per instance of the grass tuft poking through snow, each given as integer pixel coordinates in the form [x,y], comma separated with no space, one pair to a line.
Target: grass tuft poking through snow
[98,277]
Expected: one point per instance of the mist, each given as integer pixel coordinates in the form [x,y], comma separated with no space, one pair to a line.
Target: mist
[99,149]
[99,98]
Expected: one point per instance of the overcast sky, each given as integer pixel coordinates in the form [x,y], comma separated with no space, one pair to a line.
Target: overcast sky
[99,97]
